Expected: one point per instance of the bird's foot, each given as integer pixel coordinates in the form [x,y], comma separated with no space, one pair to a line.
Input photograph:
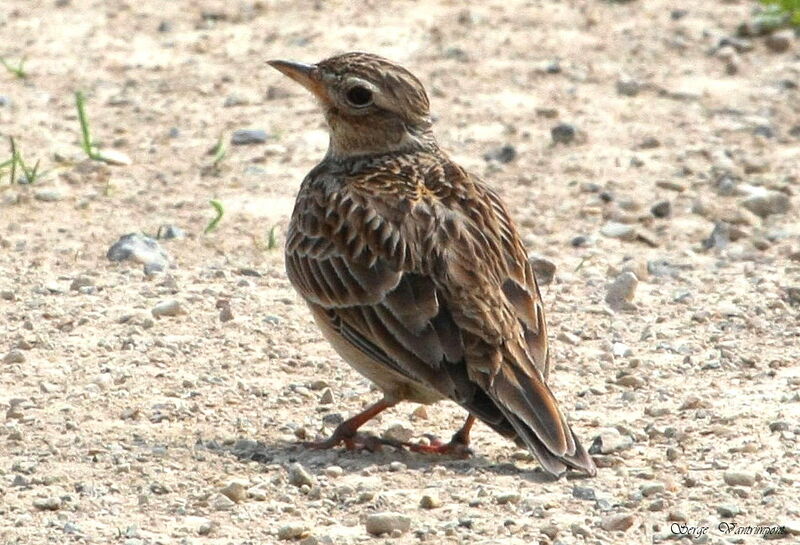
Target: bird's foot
[455,447]
[352,441]
[347,432]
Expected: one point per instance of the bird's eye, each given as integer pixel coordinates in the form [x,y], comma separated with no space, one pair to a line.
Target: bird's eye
[359,96]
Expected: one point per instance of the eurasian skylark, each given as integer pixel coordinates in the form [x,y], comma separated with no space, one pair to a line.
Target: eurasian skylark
[414,270]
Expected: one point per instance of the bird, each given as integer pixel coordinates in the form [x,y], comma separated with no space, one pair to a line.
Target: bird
[414,270]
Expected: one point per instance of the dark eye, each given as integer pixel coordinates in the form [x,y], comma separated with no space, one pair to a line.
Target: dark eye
[359,96]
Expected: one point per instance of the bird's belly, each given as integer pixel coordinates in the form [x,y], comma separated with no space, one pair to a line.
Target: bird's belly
[394,385]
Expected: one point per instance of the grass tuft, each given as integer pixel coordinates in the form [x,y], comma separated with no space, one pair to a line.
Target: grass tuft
[29,174]
[18,70]
[780,12]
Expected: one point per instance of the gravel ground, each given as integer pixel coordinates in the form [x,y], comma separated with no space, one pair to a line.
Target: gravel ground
[647,152]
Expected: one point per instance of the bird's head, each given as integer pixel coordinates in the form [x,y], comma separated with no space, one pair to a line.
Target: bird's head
[372,105]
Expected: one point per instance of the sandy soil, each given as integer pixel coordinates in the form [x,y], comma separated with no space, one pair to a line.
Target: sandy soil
[120,427]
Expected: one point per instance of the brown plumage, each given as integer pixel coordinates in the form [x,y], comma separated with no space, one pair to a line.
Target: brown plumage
[413,268]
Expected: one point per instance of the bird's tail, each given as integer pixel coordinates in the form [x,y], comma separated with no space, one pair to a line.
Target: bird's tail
[523,408]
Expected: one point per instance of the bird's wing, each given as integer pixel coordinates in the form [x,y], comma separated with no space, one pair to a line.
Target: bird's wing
[520,286]
[356,270]
[490,287]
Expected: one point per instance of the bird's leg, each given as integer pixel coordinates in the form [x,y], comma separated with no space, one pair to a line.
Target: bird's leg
[347,431]
[458,445]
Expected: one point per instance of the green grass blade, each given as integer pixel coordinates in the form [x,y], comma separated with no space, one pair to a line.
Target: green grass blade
[220,210]
[13,178]
[18,71]
[86,137]
[272,239]
[220,151]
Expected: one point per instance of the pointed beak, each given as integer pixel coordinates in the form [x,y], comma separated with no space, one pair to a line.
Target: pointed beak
[306,75]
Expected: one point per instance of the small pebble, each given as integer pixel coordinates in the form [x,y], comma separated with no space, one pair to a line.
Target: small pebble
[628,86]
[327,397]
[387,522]
[764,203]
[142,249]
[398,431]
[248,136]
[621,291]
[631,381]
[672,185]
[503,154]
[507,497]
[259,492]
[739,478]
[580,241]
[720,236]
[293,530]
[225,312]
[563,133]
[781,41]
[778,425]
[169,232]
[543,269]
[49,195]
[622,231]
[201,525]
[617,522]
[81,282]
[114,157]
[728,510]
[235,490]
[609,442]
[397,466]
[661,209]
[220,502]
[677,516]
[651,489]
[650,142]
[14,356]
[550,530]
[170,307]
[584,493]
[430,500]
[621,350]
[656,411]
[47,504]
[580,530]
[299,476]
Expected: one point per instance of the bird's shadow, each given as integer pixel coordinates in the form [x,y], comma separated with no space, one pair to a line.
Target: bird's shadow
[281,452]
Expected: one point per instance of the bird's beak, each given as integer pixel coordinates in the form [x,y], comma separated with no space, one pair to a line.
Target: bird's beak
[306,75]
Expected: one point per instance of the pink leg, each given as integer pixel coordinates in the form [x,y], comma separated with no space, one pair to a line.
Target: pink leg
[347,431]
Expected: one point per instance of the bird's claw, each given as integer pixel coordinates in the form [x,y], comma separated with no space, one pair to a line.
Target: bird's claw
[356,441]
[454,448]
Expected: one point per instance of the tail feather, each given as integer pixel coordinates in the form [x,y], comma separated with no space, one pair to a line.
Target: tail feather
[526,410]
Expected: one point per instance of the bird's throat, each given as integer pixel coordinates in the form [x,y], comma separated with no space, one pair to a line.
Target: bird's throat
[371,135]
